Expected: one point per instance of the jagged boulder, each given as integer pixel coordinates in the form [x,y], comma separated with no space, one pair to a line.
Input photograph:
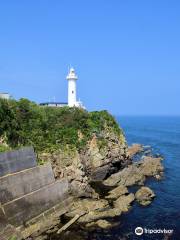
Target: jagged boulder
[104,151]
[151,166]
[126,177]
[134,149]
[93,209]
[144,196]
[117,192]
[87,205]
[100,223]
[136,173]
[123,203]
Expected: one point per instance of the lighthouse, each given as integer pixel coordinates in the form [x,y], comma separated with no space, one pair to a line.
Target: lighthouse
[72,98]
[72,78]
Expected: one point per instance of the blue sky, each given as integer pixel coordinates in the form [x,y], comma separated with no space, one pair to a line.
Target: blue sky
[126,53]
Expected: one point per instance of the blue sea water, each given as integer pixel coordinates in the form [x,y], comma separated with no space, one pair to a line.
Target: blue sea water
[163,135]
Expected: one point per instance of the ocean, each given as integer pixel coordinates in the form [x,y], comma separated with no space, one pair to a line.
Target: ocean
[163,135]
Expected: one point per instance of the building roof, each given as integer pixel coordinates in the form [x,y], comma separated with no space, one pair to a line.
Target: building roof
[53,103]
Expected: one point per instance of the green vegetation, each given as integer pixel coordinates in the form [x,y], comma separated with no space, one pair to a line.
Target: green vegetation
[13,238]
[4,148]
[24,123]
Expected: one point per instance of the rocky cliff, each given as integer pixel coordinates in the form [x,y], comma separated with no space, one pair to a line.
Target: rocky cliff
[104,153]
[82,146]
[89,150]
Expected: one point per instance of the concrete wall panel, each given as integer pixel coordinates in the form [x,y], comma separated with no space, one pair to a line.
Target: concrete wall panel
[31,205]
[18,184]
[14,161]
[3,220]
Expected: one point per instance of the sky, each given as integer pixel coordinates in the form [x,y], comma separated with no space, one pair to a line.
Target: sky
[126,53]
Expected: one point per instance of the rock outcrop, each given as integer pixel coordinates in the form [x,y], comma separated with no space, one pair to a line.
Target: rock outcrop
[134,149]
[100,223]
[94,209]
[136,173]
[104,154]
[123,203]
[100,209]
[82,147]
[117,192]
[104,159]
[144,196]
[116,199]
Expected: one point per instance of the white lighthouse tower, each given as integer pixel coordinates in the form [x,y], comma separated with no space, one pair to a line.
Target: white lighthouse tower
[72,78]
[72,99]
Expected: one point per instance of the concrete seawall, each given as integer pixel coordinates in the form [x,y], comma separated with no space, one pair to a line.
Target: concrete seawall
[27,190]
[3,219]
[30,205]
[15,161]
[15,185]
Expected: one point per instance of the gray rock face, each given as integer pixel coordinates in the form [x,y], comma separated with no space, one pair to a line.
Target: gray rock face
[151,166]
[102,160]
[99,223]
[94,212]
[100,209]
[136,173]
[127,177]
[123,203]
[117,192]
[104,154]
[93,208]
[134,149]
[144,196]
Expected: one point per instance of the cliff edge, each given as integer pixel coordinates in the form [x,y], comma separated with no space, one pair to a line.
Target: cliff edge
[82,146]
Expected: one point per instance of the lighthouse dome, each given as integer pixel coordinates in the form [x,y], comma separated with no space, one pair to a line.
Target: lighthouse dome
[71,74]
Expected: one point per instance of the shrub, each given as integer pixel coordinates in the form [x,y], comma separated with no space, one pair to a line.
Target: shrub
[48,129]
